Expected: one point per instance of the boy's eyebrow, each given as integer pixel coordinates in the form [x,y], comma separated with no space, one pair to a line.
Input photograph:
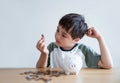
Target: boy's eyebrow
[65,33]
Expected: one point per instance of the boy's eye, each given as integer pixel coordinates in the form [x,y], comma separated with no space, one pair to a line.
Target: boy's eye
[64,36]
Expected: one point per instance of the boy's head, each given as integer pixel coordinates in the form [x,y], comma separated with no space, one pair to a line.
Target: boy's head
[74,24]
[70,30]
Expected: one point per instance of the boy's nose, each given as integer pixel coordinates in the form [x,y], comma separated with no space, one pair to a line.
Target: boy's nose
[58,36]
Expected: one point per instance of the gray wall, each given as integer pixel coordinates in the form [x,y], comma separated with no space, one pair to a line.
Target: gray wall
[23,21]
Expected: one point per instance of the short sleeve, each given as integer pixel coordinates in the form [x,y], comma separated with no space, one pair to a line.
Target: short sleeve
[50,47]
[91,57]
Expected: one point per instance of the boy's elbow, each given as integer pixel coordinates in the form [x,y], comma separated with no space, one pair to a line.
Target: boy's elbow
[109,66]
[38,66]
[106,66]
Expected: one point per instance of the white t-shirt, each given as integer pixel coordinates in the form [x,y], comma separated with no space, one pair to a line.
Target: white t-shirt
[78,57]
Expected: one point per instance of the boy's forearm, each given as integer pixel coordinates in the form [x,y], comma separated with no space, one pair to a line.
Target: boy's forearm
[42,62]
[106,60]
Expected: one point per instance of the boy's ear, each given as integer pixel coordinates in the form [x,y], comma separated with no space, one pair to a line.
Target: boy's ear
[76,39]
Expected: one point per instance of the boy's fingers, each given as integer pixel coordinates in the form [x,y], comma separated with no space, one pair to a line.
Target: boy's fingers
[40,43]
[37,45]
[88,32]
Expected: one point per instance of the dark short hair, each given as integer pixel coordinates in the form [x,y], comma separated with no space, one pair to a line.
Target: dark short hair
[75,23]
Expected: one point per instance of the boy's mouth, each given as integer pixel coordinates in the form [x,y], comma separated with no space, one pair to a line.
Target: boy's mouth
[57,41]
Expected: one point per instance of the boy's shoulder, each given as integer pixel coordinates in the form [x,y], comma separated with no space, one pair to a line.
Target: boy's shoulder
[84,48]
[52,46]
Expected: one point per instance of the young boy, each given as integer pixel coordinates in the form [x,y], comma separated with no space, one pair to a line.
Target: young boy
[70,30]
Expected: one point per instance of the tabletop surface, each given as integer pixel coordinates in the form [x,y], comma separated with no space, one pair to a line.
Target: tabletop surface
[86,75]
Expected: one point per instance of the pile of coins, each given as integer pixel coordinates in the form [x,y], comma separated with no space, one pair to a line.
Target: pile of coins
[46,75]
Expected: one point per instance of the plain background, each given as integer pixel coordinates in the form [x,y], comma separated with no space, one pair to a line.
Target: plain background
[23,21]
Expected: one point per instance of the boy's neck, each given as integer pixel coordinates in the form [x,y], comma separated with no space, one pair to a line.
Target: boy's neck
[69,48]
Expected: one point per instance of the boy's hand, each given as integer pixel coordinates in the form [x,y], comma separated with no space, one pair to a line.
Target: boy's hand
[93,33]
[41,46]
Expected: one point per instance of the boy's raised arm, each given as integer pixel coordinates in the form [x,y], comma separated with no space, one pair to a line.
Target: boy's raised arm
[106,59]
[41,46]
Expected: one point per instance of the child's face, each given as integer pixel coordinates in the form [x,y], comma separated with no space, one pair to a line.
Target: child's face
[64,39]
